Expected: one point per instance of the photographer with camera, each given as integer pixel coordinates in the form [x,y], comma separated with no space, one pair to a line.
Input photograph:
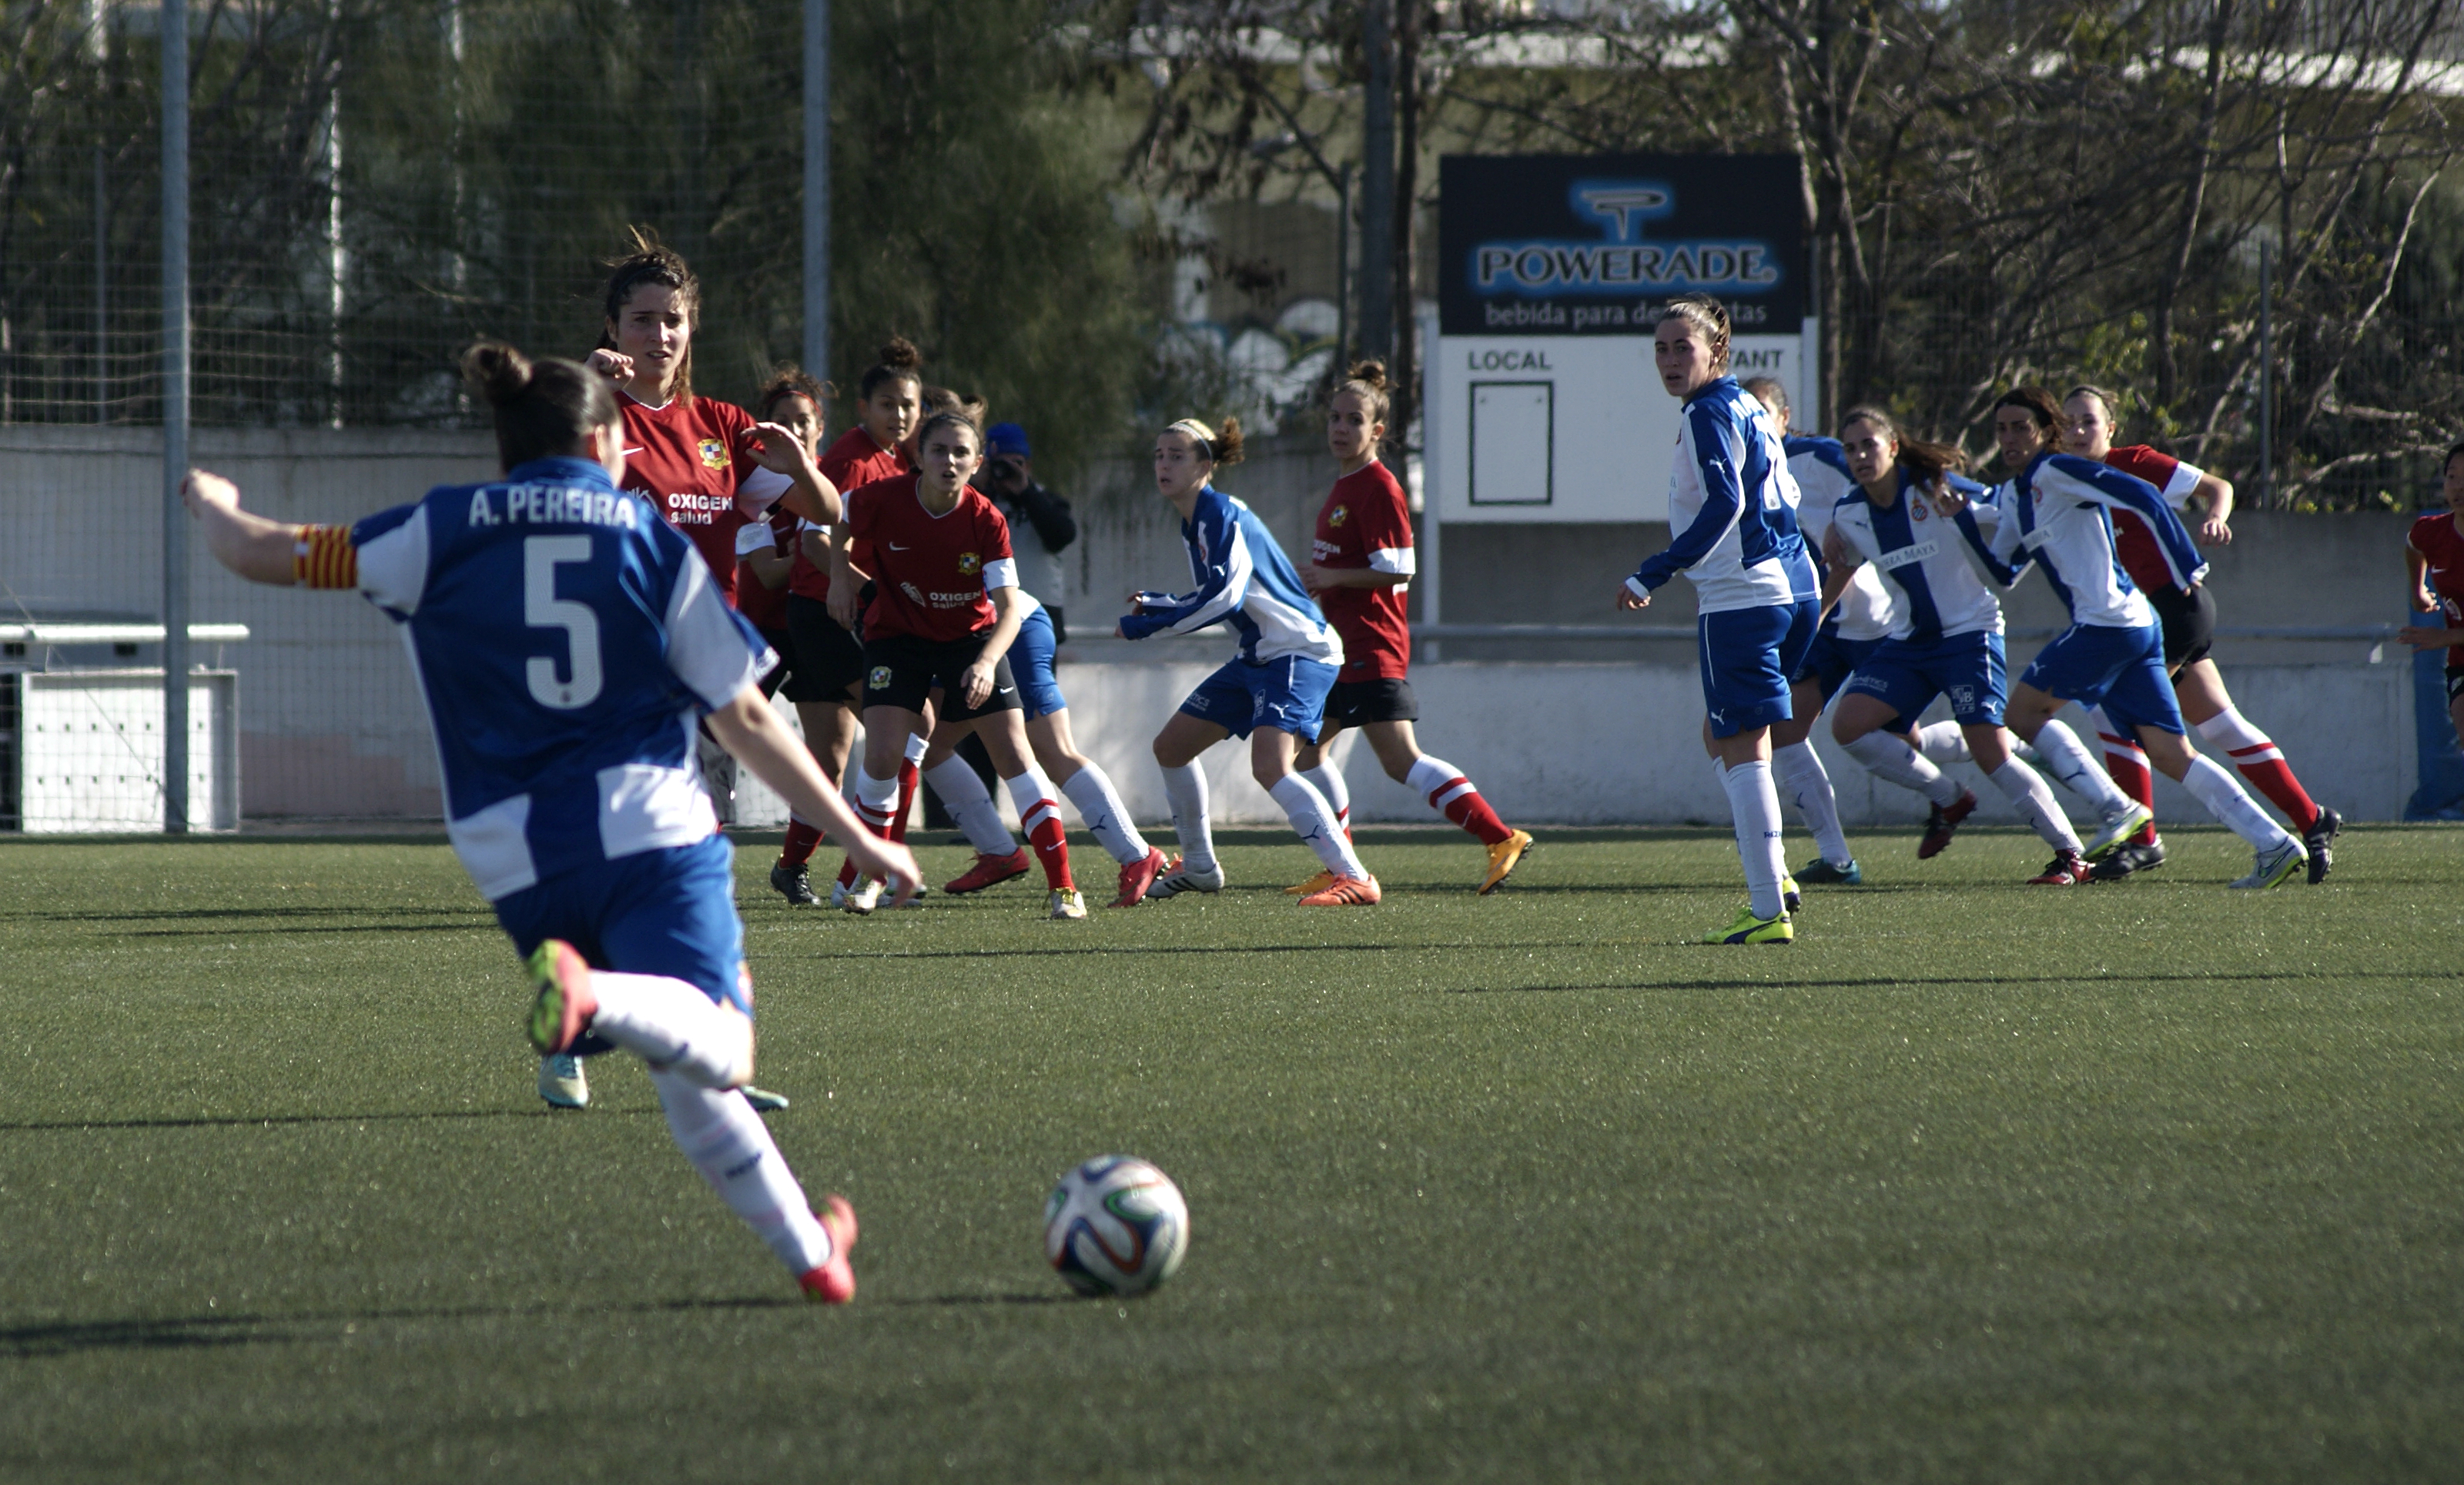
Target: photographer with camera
[1039,521]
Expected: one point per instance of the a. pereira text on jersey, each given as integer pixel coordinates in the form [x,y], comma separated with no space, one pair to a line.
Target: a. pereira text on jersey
[1732,504]
[1865,610]
[1920,554]
[566,639]
[1243,579]
[2055,515]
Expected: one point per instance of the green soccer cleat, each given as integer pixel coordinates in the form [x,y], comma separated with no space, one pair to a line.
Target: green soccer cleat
[2274,867]
[563,1009]
[2118,829]
[1750,929]
[1818,872]
[1791,897]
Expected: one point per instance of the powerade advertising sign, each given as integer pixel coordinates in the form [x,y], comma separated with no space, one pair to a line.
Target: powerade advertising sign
[1572,245]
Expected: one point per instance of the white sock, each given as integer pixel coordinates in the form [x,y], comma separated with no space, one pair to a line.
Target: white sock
[1803,781]
[1186,787]
[1032,796]
[916,743]
[1099,804]
[1327,780]
[2222,794]
[1944,743]
[971,804]
[1439,782]
[1314,824]
[2059,748]
[674,1027]
[2026,788]
[1753,803]
[725,1140]
[1891,759]
[2232,732]
[877,800]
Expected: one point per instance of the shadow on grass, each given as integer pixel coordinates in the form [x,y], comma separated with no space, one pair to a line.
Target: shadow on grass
[1945,981]
[268,1121]
[223,914]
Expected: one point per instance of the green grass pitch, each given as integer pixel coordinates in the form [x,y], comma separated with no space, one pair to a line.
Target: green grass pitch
[1974,1182]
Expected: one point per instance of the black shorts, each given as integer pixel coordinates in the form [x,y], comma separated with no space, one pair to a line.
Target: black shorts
[1359,703]
[789,678]
[901,670]
[2189,620]
[2454,684]
[827,659]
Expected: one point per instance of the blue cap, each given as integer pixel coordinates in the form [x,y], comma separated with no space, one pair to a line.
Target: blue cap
[1008,438]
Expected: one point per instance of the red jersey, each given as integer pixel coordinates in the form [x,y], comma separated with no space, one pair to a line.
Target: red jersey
[766,607]
[1366,524]
[685,458]
[850,463]
[2442,549]
[932,573]
[2132,541]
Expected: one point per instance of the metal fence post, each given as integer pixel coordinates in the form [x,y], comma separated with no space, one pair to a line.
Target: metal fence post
[175,415]
[2266,377]
[817,188]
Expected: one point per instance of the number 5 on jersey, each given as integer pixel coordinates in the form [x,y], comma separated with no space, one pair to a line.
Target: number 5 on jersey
[542,609]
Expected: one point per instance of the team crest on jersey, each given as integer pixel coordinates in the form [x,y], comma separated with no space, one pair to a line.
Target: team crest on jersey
[879,680]
[714,454]
[1339,516]
[970,564]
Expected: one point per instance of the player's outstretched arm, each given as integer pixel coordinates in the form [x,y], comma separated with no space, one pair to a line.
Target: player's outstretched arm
[747,727]
[258,550]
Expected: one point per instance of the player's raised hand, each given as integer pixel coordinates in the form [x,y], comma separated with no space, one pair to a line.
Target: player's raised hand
[615,364]
[774,447]
[202,490]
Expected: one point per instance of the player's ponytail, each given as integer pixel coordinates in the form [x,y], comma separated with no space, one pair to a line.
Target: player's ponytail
[1366,381]
[1926,463]
[897,360]
[543,407]
[1220,444]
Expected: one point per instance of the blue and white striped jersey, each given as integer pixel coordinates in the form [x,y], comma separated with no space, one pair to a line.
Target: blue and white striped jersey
[1921,555]
[1732,506]
[1243,579]
[2057,513]
[1865,610]
[566,639]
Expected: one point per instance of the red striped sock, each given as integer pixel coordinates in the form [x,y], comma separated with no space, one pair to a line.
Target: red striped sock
[1459,801]
[1042,826]
[2271,775]
[909,774]
[2127,762]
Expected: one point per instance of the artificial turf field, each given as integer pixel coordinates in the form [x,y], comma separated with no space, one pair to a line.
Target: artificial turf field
[1974,1182]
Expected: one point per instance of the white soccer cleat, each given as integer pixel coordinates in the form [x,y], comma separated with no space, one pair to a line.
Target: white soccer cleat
[1068,904]
[861,898]
[2118,829]
[838,895]
[1178,878]
[2274,867]
[762,1099]
[561,1082]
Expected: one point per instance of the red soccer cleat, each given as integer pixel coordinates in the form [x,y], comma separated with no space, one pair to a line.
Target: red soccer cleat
[2068,869]
[1944,820]
[990,871]
[1347,892]
[1137,877]
[834,1281]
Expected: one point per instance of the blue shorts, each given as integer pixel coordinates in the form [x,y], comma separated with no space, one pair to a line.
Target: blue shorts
[1288,694]
[1967,668]
[1832,661]
[2122,671]
[1030,665]
[1748,655]
[669,911]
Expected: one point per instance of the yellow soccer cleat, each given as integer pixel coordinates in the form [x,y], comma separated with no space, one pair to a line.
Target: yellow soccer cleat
[1312,887]
[1503,858]
[1750,929]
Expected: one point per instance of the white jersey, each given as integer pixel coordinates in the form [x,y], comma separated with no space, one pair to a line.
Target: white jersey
[1732,508]
[2056,516]
[1865,610]
[1924,559]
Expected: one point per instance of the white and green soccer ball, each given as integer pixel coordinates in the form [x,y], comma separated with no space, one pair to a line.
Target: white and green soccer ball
[1115,1225]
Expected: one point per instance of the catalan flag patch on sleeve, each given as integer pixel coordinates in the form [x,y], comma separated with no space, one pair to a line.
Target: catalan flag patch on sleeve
[324,557]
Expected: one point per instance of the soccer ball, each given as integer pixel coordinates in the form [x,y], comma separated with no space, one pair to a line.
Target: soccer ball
[1115,1225]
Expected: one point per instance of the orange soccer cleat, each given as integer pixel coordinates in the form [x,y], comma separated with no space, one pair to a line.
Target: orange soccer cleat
[1347,892]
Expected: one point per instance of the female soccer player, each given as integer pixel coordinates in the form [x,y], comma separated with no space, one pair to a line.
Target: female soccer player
[1082,779]
[888,396]
[1947,638]
[1733,505]
[2433,557]
[2189,619]
[1360,563]
[557,628]
[1273,692]
[689,456]
[944,612]
[1859,618]
[765,552]
[2113,653]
